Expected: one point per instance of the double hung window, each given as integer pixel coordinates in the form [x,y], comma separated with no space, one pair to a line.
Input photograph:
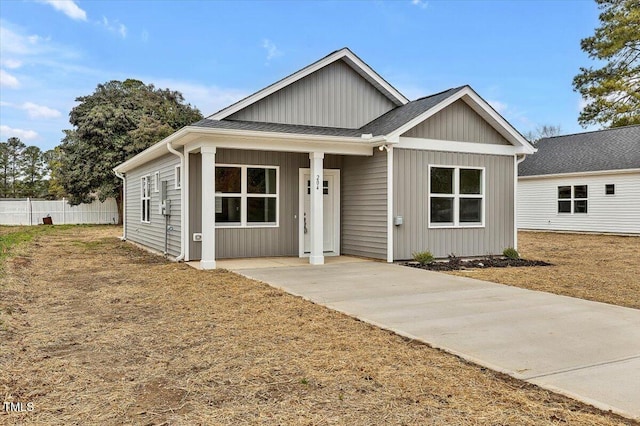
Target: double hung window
[456,196]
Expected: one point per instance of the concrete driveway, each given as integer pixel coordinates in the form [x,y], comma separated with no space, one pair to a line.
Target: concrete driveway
[587,350]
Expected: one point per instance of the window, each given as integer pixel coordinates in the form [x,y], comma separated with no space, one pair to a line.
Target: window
[156,182]
[610,189]
[177,172]
[145,199]
[456,196]
[246,195]
[572,199]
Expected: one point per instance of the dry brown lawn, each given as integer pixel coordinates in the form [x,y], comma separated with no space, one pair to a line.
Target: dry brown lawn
[96,331]
[603,268]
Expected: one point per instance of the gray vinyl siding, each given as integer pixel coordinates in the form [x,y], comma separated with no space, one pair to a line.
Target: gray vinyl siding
[457,122]
[411,200]
[195,204]
[364,206]
[152,234]
[333,96]
[258,242]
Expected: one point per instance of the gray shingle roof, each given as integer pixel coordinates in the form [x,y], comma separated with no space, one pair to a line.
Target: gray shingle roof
[611,149]
[382,125]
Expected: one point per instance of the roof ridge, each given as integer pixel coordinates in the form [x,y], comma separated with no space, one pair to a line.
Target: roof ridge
[441,92]
[590,131]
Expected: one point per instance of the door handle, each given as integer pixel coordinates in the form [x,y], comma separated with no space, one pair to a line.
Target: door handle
[305,222]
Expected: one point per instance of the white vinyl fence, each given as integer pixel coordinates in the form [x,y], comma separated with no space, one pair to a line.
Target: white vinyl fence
[31,212]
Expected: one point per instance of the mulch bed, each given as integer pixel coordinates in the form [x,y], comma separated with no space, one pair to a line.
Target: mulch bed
[456,263]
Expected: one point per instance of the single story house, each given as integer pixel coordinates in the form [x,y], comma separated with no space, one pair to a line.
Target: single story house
[583,182]
[330,160]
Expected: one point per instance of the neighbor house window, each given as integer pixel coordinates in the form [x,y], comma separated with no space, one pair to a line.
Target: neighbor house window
[456,196]
[610,189]
[246,195]
[177,172]
[572,199]
[145,199]
[156,182]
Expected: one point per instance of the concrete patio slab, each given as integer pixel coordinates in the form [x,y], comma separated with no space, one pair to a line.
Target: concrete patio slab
[586,350]
[274,262]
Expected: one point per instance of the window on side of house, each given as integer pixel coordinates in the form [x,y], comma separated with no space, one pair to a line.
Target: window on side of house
[246,196]
[610,189]
[145,199]
[177,176]
[573,199]
[156,182]
[456,196]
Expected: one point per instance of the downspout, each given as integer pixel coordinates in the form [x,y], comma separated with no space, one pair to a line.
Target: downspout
[182,200]
[518,159]
[124,204]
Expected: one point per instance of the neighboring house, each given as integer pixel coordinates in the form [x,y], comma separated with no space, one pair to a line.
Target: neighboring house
[583,182]
[330,160]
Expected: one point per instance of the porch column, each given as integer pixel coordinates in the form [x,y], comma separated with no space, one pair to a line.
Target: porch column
[208,259]
[316,256]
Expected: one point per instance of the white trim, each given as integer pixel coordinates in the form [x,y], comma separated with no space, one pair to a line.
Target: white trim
[456,146]
[177,176]
[480,106]
[572,199]
[186,210]
[208,182]
[302,186]
[516,163]
[390,204]
[578,174]
[156,182]
[145,195]
[456,224]
[244,195]
[356,63]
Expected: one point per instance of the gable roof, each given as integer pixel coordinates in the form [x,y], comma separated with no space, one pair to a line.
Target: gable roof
[344,54]
[610,149]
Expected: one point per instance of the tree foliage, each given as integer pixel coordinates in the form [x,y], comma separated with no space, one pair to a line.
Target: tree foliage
[23,171]
[612,91]
[118,120]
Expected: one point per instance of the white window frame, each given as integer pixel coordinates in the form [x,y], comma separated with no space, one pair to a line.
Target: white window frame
[456,197]
[572,200]
[145,197]
[243,195]
[177,176]
[156,182]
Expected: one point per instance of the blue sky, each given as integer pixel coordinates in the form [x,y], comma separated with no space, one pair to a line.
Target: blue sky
[520,56]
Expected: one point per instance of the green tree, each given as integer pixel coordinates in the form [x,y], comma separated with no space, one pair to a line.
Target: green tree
[612,91]
[53,159]
[4,170]
[10,161]
[33,170]
[118,120]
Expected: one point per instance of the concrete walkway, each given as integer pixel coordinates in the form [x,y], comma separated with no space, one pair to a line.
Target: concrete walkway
[587,350]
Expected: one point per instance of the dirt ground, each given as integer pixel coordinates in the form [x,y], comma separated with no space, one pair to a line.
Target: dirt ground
[96,331]
[603,268]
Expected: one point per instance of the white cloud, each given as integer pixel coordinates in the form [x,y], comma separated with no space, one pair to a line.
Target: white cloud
[68,7]
[8,132]
[40,111]
[7,80]
[422,4]
[11,63]
[272,50]
[115,27]
[501,107]
[208,99]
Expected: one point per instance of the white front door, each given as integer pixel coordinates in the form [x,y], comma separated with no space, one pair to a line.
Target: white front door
[330,208]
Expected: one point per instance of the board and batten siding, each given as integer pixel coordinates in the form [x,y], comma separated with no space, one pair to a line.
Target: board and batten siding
[457,122]
[364,206]
[411,201]
[333,96]
[255,241]
[152,234]
[618,213]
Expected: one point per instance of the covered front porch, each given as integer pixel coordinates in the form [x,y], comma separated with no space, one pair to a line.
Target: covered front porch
[300,201]
[239,264]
